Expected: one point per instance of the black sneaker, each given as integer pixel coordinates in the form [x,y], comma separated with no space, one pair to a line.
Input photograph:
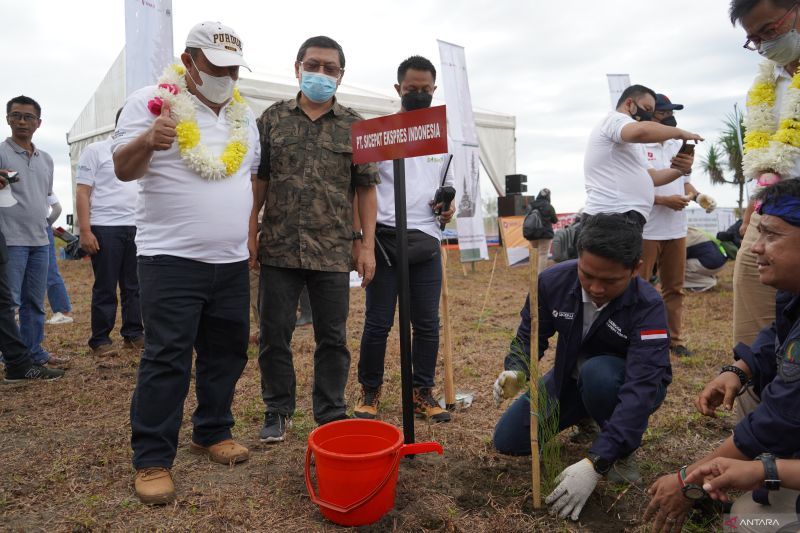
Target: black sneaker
[274,429]
[34,372]
[681,351]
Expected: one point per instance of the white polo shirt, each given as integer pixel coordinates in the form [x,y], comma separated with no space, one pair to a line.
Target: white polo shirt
[665,223]
[112,202]
[180,213]
[615,171]
[423,178]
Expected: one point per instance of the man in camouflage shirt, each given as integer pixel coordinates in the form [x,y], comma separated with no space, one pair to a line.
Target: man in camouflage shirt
[308,181]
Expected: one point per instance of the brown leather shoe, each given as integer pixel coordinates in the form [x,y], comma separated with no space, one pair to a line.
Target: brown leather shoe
[105,350]
[154,486]
[368,403]
[226,452]
[136,343]
[55,360]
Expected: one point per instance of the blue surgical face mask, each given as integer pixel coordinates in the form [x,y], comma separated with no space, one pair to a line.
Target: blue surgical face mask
[318,88]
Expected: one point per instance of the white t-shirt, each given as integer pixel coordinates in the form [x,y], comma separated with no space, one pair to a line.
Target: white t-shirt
[665,223]
[615,171]
[112,202]
[423,178]
[180,213]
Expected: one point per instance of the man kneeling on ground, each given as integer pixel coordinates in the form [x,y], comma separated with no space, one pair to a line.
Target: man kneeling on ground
[611,364]
[771,364]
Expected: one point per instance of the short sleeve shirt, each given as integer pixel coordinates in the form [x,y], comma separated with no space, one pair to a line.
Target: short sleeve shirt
[665,223]
[112,202]
[178,212]
[308,214]
[25,223]
[615,171]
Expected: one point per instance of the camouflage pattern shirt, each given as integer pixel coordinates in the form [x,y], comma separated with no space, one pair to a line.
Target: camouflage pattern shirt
[308,213]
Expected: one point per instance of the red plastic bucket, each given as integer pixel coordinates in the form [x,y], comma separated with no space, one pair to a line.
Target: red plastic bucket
[357,463]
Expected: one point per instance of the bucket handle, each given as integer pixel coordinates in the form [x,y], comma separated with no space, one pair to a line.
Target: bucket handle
[406,449]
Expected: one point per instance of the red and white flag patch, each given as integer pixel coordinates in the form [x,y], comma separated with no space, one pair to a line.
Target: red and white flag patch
[653,334]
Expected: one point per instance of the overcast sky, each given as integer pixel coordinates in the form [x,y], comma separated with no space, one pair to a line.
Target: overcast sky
[544,62]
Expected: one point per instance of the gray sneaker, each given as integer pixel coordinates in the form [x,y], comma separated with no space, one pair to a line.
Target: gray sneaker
[275,425]
[625,470]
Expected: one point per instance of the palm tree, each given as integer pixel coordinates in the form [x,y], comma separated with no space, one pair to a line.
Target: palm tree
[725,156]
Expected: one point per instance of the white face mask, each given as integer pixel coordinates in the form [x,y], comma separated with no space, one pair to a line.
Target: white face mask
[217,90]
[782,50]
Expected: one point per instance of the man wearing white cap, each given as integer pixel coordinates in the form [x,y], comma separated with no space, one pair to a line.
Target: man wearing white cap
[192,144]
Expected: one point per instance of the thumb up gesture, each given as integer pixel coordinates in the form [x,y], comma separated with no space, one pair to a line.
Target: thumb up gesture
[162,131]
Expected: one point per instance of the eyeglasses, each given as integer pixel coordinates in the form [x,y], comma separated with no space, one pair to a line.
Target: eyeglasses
[330,69]
[19,117]
[769,33]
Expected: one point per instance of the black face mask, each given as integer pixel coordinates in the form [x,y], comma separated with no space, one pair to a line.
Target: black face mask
[670,121]
[641,115]
[412,101]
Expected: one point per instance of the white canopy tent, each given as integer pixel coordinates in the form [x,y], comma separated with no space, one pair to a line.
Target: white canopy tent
[496,132]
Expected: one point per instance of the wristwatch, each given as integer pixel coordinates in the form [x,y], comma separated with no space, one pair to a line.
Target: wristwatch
[601,466]
[690,490]
[771,480]
[358,236]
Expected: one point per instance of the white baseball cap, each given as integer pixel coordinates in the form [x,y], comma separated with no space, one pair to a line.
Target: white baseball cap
[220,44]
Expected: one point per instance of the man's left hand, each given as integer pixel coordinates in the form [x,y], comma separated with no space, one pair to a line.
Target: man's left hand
[252,249]
[575,485]
[668,506]
[683,163]
[365,265]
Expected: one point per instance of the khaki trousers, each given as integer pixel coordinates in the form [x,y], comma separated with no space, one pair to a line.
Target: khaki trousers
[670,256]
[753,302]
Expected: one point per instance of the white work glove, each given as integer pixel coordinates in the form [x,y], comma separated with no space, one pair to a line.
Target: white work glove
[575,485]
[706,202]
[507,385]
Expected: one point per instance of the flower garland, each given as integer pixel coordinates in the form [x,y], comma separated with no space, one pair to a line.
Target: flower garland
[771,141]
[172,90]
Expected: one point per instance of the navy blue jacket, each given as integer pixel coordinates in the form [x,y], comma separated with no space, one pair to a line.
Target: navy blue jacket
[617,330]
[774,360]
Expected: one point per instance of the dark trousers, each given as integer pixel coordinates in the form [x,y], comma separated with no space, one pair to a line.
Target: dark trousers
[115,264]
[188,304]
[15,354]
[594,394]
[329,293]
[425,284]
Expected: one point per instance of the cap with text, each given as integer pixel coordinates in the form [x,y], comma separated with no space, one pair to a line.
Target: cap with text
[220,44]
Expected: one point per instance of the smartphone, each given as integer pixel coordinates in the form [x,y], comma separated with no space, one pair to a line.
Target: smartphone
[11,177]
[686,148]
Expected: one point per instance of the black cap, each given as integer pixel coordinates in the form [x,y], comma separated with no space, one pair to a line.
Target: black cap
[663,104]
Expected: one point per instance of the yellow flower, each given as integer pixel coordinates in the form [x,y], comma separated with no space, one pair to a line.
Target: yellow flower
[188,134]
[179,69]
[233,156]
[789,132]
[755,139]
[761,93]
[237,96]
[796,80]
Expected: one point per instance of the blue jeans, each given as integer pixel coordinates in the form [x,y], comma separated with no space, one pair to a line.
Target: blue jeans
[425,284]
[594,394]
[115,265]
[56,291]
[329,294]
[27,278]
[188,304]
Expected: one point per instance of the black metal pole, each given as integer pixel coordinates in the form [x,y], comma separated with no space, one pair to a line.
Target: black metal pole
[403,292]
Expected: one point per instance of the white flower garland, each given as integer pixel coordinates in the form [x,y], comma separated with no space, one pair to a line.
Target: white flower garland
[771,141]
[197,156]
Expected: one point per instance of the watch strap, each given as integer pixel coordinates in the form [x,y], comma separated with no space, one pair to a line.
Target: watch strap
[771,479]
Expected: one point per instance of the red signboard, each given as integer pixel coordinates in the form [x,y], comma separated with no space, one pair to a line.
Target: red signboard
[408,134]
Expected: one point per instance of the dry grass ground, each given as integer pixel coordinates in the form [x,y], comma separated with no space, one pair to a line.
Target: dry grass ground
[65,452]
